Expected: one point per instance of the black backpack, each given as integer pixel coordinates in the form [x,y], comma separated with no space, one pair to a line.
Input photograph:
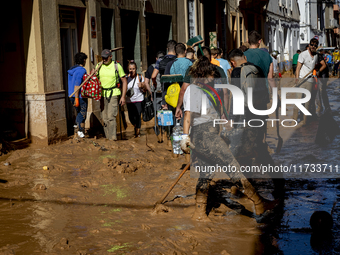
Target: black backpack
[164,61]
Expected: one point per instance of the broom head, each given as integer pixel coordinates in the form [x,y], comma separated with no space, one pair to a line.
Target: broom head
[172,78]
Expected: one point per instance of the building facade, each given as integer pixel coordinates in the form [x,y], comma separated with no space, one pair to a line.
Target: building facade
[38,48]
[282,30]
[319,18]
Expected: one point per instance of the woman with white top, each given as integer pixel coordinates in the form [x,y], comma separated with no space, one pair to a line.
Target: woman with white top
[134,103]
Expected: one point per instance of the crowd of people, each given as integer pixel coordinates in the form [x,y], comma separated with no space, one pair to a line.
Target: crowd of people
[199,70]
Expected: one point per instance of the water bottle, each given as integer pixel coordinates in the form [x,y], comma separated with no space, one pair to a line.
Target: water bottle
[176,138]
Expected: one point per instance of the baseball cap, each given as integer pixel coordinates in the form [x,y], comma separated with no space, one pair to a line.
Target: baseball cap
[106,53]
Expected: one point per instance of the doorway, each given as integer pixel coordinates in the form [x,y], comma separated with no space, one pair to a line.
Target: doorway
[70,37]
[130,37]
[158,33]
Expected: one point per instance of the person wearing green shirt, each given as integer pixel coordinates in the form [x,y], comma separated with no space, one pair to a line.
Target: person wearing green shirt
[109,74]
[295,60]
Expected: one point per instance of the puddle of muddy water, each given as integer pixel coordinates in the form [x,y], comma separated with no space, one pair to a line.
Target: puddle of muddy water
[92,208]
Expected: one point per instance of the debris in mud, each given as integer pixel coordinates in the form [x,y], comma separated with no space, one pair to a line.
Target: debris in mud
[221,210]
[160,208]
[95,144]
[82,252]
[88,184]
[63,244]
[8,249]
[145,227]
[102,148]
[122,166]
[40,187]
[106,161]
[7,164]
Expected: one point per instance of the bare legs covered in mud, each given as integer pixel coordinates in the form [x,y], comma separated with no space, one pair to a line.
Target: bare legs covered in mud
[211,150]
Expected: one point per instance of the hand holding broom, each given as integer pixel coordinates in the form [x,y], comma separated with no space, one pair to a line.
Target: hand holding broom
[88,77]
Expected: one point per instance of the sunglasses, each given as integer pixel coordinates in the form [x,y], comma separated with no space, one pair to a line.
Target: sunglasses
[313,45]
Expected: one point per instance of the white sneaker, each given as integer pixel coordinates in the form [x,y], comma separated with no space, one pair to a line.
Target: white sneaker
[81,134]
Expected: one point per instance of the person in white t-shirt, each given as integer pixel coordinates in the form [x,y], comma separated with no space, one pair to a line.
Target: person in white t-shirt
[208,148]
[306,63]
[134,103]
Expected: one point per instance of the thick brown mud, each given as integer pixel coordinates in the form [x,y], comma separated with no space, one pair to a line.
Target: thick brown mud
[97,197]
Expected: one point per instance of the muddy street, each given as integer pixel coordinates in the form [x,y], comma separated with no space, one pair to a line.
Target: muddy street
[95,196]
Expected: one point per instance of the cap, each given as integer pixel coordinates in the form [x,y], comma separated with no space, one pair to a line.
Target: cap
[106,53]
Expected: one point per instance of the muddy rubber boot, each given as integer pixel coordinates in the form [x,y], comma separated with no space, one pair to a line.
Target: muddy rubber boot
[200,213]
[261,204]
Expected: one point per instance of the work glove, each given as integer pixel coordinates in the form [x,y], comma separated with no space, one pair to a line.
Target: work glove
[76,102]
[186,144]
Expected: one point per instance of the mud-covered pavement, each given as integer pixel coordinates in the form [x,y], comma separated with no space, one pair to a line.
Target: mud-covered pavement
[97,196]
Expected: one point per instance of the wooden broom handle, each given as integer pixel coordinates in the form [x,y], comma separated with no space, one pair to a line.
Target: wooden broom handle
[173,185]
[87,78]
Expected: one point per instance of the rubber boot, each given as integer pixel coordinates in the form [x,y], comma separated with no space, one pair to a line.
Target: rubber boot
[200,213]
[261,204]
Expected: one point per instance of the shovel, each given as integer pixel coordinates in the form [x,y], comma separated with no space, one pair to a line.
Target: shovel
[158,206]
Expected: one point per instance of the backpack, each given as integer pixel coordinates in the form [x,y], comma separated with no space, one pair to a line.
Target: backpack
[164,61]
[158,79]
[172,94]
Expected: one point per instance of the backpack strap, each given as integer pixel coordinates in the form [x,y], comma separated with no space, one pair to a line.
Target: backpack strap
[211,93]
[117,72]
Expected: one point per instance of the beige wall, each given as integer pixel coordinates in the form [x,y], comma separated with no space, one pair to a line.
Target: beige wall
[44,95]
[182,21]
[93,110]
